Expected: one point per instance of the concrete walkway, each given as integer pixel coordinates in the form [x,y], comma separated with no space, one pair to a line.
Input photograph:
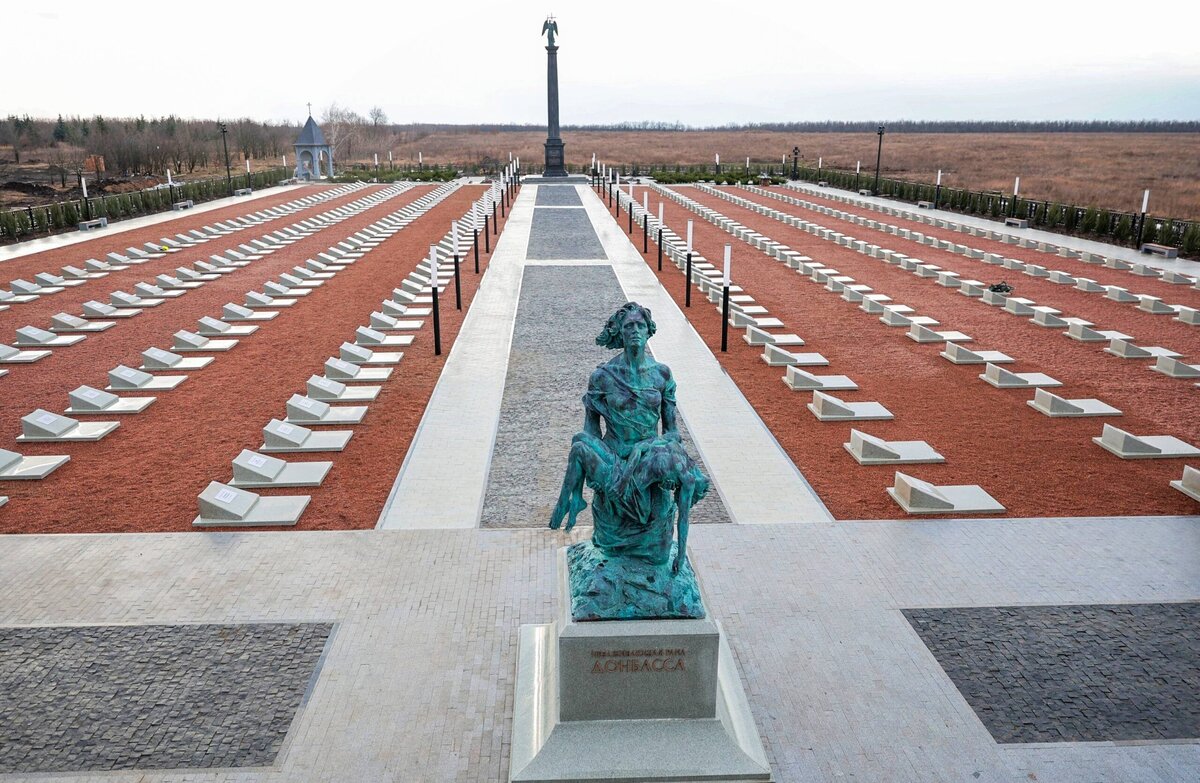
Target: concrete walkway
[416,684]
[442,487]
[1063,240]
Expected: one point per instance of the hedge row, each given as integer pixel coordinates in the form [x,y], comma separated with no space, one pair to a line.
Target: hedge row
[22,223]
[1103,224]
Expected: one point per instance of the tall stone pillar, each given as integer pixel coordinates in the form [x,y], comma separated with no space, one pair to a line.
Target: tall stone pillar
[554,144]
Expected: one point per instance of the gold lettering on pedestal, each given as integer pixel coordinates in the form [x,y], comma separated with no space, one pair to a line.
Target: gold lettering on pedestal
[638,661]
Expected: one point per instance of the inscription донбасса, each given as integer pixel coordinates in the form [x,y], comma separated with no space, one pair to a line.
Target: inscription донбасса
[638,661]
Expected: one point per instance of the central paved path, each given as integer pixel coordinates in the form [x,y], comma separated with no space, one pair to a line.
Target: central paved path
[492,446]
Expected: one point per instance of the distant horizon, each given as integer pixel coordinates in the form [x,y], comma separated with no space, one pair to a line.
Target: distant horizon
[803,126]
[701,63]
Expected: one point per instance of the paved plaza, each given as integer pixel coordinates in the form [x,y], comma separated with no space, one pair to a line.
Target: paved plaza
[914,650]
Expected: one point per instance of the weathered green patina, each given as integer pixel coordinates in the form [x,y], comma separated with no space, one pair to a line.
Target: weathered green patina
[643,485]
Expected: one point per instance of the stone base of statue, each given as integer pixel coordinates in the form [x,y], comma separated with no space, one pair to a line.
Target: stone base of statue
[630,700]
[555,159]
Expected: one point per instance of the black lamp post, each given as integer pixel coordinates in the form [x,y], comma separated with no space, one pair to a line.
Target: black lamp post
[224,143]
[795,163]
[878,157]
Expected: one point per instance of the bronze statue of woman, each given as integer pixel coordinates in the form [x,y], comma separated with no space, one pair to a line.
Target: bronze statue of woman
[639,476]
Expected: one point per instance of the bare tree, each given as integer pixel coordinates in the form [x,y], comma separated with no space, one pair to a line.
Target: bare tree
[377,116]
[342,127]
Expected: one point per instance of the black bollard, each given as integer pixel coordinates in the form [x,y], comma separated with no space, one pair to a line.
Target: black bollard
[457,286]
[646,233]
[630,232]
[487,238]
[495,225]
[687,296]
[724,319]
[437,320]
[660,249]
[475,244]
[503,201]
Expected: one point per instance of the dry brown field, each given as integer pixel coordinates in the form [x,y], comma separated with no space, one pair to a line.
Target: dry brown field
[1107,170]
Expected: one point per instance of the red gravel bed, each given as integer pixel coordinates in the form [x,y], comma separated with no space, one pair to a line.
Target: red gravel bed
[1174,294]
[146,475]
[54,260]
[1148,329]
[1034,465]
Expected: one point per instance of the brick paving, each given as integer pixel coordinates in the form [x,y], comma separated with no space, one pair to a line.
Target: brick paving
[417,682]
[151,696]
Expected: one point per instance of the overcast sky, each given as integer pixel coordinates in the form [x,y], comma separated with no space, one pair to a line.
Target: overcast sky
[698,62]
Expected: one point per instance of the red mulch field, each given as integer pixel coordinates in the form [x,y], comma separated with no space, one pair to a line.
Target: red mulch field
[1175,294]
[146,475]
[1034,465]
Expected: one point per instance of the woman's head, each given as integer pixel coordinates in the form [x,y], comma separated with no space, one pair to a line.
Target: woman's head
[612,336]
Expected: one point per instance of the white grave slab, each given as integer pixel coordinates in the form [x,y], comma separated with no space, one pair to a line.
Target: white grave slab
[234,313]
[185,341]
[923,334]
[1055,407]
[329,390]
[100,310]
[213,327]
[826,407]
[89,401]
[158,359]
[1125,349]
[127,300]
[870,450]
[11,355]
[1190,483]
[921,497]
[222,505]
[256,300]
[64,323]
[124,378]
[1129,446]
[280,437]
[800,380]
[345,371]
[253,471]
[1005,379]
[373,338]
[16,467]
[1174,368]
[1078,331]
[42,426]
[360,354]
[310,412]
[33,337]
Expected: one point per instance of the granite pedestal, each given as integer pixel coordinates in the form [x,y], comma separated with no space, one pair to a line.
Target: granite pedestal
[630,700]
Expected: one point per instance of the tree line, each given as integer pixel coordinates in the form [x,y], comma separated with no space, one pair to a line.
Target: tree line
[136,145]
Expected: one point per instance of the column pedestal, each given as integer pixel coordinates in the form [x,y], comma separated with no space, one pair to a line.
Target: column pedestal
[555,157]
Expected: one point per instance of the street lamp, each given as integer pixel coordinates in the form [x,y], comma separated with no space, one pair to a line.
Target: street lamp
[224,143]
[878,157]
[795,163]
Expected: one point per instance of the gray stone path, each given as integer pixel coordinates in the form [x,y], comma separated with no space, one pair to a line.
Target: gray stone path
[561,310]
[152,696]
[444,480]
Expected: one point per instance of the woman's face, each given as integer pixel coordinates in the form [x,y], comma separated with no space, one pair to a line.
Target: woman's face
[635,331]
